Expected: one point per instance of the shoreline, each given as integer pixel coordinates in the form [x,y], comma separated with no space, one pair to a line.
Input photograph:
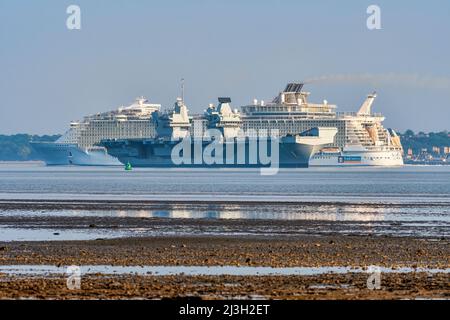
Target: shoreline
[307,251]
[139,225]
[136,204]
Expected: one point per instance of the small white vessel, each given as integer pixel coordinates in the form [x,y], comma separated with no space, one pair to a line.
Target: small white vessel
[357,157]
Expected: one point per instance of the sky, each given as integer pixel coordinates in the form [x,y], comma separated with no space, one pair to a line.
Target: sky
[50,75]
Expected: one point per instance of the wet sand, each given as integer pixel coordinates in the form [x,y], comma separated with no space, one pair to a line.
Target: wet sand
[273,251]
[329,286]
[219,242]
[279,251]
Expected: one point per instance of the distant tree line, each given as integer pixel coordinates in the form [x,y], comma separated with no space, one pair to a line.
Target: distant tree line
[422,140]
[17,147]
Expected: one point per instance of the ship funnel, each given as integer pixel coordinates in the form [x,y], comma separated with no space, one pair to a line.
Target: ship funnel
[293,87]
[366,106]
[224,105]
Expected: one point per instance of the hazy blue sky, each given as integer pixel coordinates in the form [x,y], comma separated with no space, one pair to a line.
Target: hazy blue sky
[50,75]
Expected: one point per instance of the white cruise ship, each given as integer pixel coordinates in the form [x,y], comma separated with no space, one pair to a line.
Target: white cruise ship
[361,139]
[78,145]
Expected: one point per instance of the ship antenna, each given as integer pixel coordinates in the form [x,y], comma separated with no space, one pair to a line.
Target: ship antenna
[182,90]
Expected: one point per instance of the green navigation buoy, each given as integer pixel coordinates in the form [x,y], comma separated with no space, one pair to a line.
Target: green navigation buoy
[128,166]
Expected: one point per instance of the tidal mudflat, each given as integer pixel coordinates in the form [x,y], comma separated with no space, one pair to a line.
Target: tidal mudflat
[309,234]
[410,267]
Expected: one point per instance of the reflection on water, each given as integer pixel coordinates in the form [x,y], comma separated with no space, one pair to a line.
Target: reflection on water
[324,212]
[328,212]
[178,219]
[230,211]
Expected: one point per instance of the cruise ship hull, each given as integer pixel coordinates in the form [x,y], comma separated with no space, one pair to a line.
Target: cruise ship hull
[53,153]
[357,158]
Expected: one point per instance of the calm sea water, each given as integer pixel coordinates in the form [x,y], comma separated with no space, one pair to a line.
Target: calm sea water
[409,184]
[412,200]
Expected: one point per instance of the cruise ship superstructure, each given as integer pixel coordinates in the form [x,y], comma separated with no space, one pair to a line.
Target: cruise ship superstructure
[79,145]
